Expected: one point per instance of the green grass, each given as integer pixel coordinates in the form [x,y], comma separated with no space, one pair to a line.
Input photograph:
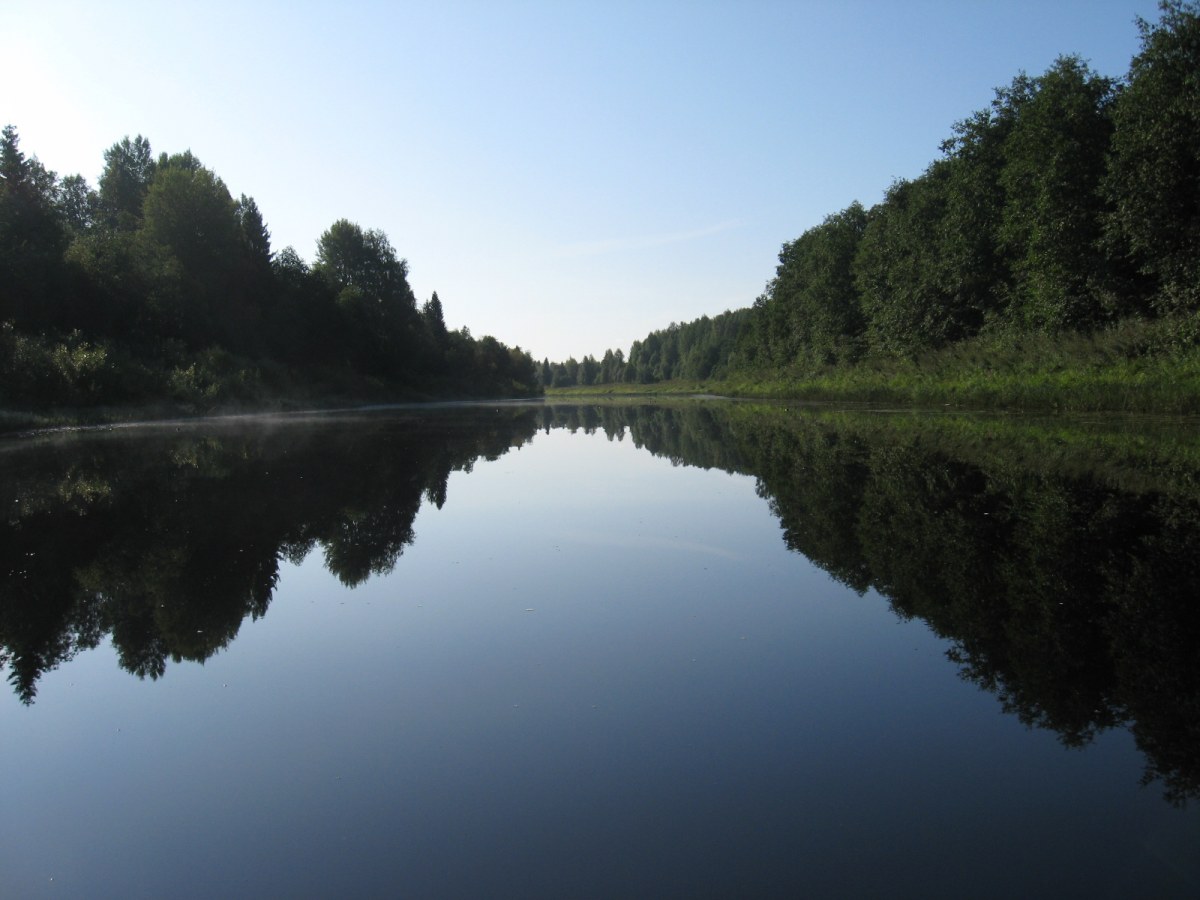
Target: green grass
[1132,367]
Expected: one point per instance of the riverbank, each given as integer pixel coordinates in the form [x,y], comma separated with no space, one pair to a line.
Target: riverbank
[1137,367]
[54,383]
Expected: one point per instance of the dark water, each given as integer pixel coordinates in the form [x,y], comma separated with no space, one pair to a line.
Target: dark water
[702,650]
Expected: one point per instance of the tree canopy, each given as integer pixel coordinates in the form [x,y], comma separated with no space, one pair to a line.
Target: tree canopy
[160,286]
[1069,203]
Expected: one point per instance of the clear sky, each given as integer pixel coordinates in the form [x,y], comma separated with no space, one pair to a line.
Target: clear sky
[568,175]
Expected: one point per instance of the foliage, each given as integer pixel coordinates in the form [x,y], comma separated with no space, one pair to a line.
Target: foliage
[1132,366]
[1069,206]
[1054,161]
[32,238]
[908,303]
[162,288]
[812,309]
[128,169]
[696,350]
[190,232]
[1154,179]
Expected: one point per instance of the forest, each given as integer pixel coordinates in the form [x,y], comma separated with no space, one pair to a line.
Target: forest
[1053,247]
[1069,207]
[157,288]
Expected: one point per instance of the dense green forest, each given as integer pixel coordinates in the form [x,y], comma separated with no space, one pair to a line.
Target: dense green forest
[1065,214]
[1069,206]
[158,287]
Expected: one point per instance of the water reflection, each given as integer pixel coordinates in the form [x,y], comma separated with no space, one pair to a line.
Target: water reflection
[1062,568]
[1066,582]
[169,540]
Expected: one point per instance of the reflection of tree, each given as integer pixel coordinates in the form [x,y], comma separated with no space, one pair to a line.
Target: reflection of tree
[999,573]
[168,543]
[44,618]
[1069,596]
[370,542]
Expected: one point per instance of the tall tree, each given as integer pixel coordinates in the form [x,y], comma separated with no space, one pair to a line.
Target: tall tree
[350,257]
[1054,160]
[967,263]
[371,286]
[908,305]
[435,320]
[255,238]
[77,203]
[588,370]
[1154,180]
[191,237]
[812,307]
[32,239]
[128,169]
[303,322]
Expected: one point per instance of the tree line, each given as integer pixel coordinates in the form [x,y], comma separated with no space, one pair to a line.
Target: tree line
[159,283]
[695,350]
[1072,202]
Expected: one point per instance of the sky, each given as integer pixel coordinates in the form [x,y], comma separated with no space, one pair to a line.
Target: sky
[568,176]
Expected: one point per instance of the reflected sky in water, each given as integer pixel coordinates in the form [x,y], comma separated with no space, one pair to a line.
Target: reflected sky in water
[592,673]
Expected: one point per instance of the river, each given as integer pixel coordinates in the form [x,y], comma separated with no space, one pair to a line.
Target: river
[689,649]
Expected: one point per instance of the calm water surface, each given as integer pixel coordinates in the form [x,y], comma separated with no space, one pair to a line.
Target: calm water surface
[567,652]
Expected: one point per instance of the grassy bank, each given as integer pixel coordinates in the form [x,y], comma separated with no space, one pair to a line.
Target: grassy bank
[1142,367]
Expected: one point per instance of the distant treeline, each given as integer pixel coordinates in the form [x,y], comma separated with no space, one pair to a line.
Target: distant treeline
[1071,203]
[159,286]
[695,350]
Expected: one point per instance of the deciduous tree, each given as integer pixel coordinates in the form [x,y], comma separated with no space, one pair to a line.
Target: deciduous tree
[1154,180]
[128,169]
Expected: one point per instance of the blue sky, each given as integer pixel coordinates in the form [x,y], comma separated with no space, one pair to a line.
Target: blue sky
[566,175]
